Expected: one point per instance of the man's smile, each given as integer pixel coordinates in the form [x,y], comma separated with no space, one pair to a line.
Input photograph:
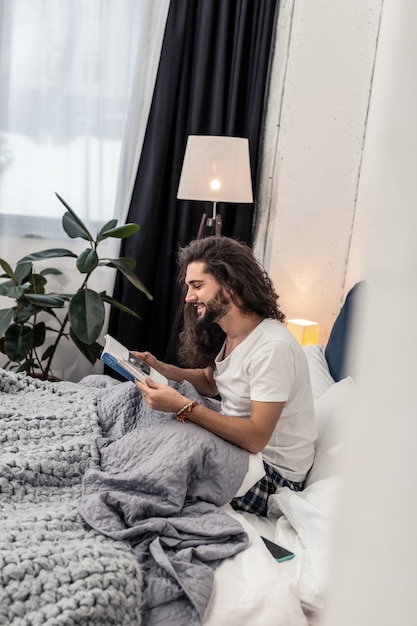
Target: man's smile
[200,308]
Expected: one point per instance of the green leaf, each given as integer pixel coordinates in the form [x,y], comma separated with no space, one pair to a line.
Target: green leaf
[18,342]
[50,350]
[121,232]
[72,224]
[130,275]
[108,226]
[6,316]
[127,260]
[45,300]
[91,352]
[87,261]
[86,315]
[50,270]
[37,283]
[52,314]
[23,271]
[27,365]
[73,228]
[51,253]
[7,268]
[39,333]
[65,296]
[26,311]
[119,305]
[9,290]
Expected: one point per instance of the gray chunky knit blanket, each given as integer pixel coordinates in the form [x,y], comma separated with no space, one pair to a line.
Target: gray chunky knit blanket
[109,512]
[53,568]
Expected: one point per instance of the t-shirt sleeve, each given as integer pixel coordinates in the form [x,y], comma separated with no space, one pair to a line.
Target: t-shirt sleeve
[272,369]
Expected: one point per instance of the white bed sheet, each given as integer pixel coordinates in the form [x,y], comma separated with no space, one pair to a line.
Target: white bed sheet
[304,568]
[251,588]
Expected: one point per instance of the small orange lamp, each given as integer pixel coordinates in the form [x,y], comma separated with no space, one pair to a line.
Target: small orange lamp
[305,331]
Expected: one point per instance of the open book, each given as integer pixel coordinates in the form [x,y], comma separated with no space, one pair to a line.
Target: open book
[119,358]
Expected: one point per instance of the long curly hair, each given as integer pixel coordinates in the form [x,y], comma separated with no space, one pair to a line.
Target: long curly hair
[234,267]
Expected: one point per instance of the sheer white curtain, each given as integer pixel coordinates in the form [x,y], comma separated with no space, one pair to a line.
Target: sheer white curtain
[146,59]
[76,82]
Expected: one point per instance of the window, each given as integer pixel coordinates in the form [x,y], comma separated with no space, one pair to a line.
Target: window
[66,71]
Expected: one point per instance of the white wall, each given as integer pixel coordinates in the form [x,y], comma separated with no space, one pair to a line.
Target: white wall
[314,139]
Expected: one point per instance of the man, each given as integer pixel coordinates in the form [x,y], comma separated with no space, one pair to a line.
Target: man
[260,371]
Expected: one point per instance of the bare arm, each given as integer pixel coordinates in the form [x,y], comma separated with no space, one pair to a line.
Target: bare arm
[201,379]
[251,433]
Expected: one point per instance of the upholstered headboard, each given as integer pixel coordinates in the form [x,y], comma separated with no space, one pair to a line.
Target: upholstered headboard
[336,351]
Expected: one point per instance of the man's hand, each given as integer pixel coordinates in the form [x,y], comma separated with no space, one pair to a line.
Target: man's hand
[149,359]
[161,397]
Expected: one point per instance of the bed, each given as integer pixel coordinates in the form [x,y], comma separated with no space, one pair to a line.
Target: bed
[110,519]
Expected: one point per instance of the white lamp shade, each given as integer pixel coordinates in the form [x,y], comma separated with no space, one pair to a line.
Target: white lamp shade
[216,169]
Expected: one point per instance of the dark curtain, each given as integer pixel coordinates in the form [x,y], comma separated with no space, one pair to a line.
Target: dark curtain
[212,80]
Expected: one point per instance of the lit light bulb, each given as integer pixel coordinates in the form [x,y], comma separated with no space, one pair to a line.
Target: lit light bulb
[215,184]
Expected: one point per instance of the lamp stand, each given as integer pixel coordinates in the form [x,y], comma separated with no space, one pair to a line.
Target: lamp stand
[206,221]
[215,220]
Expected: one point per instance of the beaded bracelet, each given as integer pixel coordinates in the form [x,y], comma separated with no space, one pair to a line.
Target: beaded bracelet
[182,414]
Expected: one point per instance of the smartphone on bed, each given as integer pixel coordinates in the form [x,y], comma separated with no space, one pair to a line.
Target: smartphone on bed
[279,553]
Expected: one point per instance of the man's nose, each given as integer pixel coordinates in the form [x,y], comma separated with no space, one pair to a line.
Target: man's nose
[190,295]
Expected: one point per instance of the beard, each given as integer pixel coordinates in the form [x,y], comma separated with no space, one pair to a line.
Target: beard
[216,308]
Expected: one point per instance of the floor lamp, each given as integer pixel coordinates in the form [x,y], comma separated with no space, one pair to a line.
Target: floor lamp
[215,169]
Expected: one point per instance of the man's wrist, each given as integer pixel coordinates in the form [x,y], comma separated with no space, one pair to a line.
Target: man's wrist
[186,410]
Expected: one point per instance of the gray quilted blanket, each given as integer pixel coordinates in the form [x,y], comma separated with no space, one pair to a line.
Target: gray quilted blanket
[159,487]
[150,532]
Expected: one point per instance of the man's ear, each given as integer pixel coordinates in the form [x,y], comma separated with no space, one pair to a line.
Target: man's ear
[233,296]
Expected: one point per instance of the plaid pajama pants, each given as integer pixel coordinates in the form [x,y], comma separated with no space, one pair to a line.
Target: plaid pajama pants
[256,499]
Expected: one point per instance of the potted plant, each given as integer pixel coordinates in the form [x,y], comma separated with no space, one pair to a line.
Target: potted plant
[32,329]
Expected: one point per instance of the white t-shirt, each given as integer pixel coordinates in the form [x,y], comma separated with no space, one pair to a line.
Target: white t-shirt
[269,365]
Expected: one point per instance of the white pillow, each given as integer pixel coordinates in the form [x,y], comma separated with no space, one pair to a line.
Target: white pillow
[311,514]
[321,379]
[332,410]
